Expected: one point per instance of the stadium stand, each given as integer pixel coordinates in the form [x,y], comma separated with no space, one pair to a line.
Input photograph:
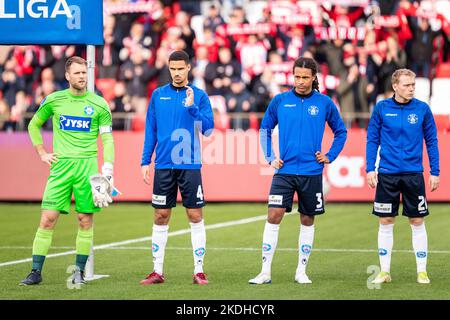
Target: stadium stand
[357,46]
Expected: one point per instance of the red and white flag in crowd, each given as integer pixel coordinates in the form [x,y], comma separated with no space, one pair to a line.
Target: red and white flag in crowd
[246,29]
[288,12]
[344,33]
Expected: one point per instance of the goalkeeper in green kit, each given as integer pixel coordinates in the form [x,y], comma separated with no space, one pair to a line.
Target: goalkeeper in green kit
[79,116]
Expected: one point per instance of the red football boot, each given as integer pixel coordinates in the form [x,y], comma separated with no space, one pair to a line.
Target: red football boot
[200,278]
[153,278]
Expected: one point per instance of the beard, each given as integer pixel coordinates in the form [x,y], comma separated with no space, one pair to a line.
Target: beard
[78,86]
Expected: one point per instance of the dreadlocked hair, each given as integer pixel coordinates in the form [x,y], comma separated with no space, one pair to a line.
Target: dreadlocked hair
[308,63]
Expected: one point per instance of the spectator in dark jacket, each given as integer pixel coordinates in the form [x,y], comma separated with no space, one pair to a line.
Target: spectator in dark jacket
[420,48]
[239,100]
[10,82]
[213,20]
[218,75]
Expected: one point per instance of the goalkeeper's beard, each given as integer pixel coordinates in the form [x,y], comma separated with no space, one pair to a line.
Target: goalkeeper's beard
[79,87]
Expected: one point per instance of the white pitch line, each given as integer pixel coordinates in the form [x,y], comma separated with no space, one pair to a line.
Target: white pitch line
[121,243]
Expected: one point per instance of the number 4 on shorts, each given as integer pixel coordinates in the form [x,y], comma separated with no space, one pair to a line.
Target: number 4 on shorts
[200,193]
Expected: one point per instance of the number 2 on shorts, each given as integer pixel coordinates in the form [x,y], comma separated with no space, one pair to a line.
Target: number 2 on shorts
[422,204]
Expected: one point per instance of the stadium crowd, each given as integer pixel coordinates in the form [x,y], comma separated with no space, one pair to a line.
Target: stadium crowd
[242,53]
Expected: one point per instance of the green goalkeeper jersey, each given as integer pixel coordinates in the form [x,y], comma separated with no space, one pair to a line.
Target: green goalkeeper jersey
[77,122]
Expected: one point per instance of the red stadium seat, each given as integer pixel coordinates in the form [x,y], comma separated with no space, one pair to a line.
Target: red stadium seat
[221,122]
[443,70]
[221,118]
[254,122]
[138,123]
[106,86]
[442,122]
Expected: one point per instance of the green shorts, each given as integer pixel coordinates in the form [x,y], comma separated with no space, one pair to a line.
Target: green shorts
[69,176]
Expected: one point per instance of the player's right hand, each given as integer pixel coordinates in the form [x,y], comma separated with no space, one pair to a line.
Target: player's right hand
[189,96]
[49,158]
[277,163]
[372,179]
[146,174]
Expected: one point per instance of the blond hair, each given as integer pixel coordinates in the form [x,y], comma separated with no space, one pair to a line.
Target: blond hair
[73,60]
[401,72]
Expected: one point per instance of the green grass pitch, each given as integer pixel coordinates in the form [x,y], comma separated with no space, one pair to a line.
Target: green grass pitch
[344,248]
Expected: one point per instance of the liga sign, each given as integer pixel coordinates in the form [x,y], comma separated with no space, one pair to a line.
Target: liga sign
[27,22]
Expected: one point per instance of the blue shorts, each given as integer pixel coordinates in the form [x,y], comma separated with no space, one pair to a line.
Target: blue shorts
[387,197]
[308,188]
[167,182]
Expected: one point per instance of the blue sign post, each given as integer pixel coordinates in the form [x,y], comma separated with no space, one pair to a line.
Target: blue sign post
[42,22]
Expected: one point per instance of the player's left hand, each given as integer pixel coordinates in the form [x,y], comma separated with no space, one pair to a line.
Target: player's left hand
[101,190]
[434,182]
[189,97]
[146,173]
[321,158]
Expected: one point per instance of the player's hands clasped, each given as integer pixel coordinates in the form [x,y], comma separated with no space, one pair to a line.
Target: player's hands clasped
[49,158]
[145,170]
[434,182]
[372,179]
[321,158]
[277,163]
[189,97]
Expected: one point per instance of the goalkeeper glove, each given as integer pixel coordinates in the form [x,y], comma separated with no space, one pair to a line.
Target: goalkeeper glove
[101,190]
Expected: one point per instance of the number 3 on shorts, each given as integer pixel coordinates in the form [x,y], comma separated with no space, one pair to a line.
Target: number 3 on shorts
[200,193]
[319,200]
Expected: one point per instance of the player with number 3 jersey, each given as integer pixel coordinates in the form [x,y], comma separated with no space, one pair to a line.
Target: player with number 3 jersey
[301,115]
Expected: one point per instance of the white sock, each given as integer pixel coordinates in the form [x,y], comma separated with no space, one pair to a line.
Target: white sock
[420,246]
[159,241]
[305,243]
[270,240]
[385,244]
[198,239]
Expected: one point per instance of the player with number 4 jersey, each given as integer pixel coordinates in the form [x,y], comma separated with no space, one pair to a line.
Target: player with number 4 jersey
[178,112]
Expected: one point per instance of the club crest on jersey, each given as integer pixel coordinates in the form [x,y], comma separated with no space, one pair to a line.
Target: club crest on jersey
[413,118]
[313,110]
[89,110]
[70,123]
